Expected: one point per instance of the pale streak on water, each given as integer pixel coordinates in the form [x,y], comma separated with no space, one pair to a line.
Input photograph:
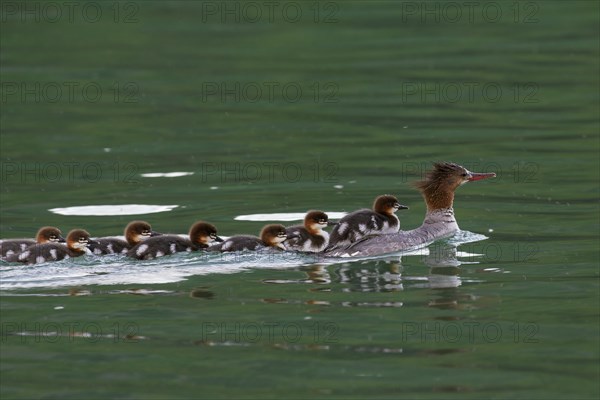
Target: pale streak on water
[113,209]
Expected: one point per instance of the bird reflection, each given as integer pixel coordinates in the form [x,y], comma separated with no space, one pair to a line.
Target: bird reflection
[386,276]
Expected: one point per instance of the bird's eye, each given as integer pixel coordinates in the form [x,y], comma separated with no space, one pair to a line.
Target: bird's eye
[52,237]
[213,235]
[322,221]
[82,239]
[145,232]
[464,175]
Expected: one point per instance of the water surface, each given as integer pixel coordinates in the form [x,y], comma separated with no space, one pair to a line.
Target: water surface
[185,120]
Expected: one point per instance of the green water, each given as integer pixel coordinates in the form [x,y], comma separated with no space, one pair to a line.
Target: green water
[364,96]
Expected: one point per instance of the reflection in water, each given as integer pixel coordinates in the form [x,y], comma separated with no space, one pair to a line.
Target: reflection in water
[385,277]
[388,275]
[385,274]
[202,293]
[315,273]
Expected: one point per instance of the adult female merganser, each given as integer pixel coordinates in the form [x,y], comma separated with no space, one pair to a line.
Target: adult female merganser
[358,224]
[46,234]
[77,242]
[201,235]
[135,232]
[271,236]
[438,192]
[311,237]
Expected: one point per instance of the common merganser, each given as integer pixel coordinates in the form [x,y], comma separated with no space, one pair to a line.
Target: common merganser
[438,192]
[77,242]
[358,224]
[46,234]
[311,237]
[201,235]
[135,232]
[271,236]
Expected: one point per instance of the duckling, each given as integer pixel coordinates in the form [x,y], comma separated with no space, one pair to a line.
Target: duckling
[271,236]
[311,237]
[201,235]
[135,232]
[46,234]
[361,223]
[77,242]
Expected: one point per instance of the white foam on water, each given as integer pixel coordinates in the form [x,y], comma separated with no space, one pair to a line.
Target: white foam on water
[166,174]
[114,209]
[285,216]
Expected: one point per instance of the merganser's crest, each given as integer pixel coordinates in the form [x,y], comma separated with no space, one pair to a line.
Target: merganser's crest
[440,183]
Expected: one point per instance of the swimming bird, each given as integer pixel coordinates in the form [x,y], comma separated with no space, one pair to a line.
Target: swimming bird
[358,224]
[201,234]
[309,237]
[437,190]
[135,232]
[46,234]
[77,242]
[271,236]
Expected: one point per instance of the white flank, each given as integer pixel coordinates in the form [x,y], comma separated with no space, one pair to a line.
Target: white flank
[141,249]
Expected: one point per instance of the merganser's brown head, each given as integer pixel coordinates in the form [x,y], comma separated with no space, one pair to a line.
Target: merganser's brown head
[204,233]
[49,234]
[273,235]
[387,204]
[78,240]
[441,182]
[314,221]
[138,231]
